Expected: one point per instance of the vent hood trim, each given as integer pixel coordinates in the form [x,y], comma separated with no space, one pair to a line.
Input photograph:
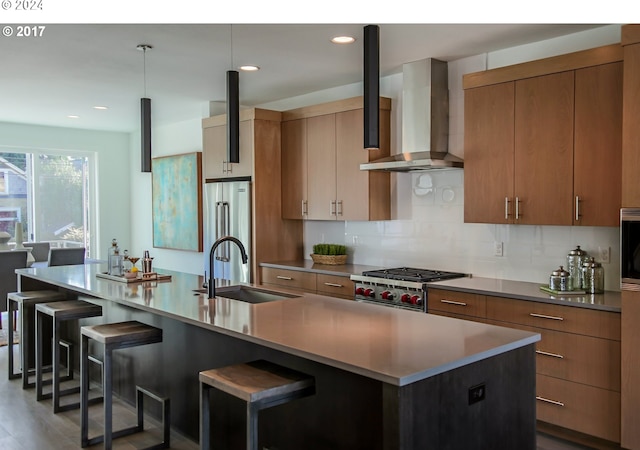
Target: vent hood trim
[425,121]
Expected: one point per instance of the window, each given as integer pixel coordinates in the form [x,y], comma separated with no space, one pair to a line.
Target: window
[50,193]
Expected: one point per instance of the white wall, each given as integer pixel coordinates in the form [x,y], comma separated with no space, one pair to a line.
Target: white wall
[429,230]
[181,137]
[112,183]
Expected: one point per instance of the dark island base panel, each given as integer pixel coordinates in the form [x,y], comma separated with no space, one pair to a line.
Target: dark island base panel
[505,418]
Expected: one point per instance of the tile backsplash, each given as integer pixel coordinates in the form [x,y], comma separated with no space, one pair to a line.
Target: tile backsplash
[435,236]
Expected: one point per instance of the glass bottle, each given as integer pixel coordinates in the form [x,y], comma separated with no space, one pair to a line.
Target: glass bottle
[575,259]
[593,276]
[111,252]
[115,260]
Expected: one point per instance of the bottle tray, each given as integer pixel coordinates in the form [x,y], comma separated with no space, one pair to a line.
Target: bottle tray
[152,276]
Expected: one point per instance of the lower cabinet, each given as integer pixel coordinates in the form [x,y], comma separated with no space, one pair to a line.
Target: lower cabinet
[578,373]
[311,282]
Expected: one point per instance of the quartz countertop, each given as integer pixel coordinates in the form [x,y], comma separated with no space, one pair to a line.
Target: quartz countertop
[306,265]
[522,290]
[391,345]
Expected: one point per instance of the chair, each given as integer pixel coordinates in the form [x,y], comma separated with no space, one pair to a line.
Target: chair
[39,250]
[10,260]
[66,256]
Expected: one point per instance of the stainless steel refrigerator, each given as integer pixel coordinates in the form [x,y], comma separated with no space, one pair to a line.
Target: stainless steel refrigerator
[227,207]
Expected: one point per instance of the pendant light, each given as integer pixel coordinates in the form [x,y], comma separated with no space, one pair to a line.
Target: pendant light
[145,116]
[371,87]
[233,111]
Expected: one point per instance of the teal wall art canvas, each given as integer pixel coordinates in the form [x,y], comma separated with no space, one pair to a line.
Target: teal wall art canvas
[177,201]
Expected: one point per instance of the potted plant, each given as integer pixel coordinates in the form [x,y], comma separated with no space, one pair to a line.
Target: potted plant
[333,254]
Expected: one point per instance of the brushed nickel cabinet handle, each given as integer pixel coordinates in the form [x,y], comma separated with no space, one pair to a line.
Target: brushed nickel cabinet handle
[517,208]
[543,316]
[281,277]
[451,302]
[332,208]
[553,402]
[224,167]
[304,208]
[339,209]
[334,285]
[577,208]
[554,355]
[506,208]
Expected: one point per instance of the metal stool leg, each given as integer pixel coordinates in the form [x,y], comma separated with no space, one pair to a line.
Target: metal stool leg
[84,391]
[205,437]
[108,396]
[252,426]
[10,308]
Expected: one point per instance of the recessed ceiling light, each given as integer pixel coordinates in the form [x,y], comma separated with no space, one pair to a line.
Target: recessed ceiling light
[101,107]
[343,40]
[73,116]
[249,68]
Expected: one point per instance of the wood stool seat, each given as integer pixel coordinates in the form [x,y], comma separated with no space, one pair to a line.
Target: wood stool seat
[114,336]
[261,384]
[24,303]
[60,311]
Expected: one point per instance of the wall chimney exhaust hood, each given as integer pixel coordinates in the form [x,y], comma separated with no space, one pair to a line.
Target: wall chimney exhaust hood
[425,121]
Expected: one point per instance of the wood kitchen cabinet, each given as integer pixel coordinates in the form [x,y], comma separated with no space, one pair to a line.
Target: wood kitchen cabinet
[577,362]
[461,305]
[272,237]
[630,434]
[214,144]
[540,137]
[321,155]
[311,282]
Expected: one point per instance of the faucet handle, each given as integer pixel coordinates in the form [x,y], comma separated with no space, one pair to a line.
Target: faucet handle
[205,285]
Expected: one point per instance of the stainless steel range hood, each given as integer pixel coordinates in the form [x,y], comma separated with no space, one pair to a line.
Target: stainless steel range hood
[425,121]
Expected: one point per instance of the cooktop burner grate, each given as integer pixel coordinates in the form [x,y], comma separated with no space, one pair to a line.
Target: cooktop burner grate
[413,274]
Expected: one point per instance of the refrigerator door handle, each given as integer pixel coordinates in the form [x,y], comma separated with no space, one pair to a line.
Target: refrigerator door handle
[225,232]
[219,228]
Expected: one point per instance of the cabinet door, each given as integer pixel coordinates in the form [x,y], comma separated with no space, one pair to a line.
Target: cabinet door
[544,109]
[294,169]
[215,152]
[321,167]
[631,131]
[352,183]
[598,146]
[488,153]
[214,144]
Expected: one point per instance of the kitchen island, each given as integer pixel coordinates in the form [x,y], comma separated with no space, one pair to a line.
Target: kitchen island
[385,378]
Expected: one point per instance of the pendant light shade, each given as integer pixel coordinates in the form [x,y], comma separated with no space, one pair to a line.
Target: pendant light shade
[233,116]
[145,117]
[371,87]
[145,132]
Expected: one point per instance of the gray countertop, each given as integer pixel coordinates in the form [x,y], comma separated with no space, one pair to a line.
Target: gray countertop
[391,345]
[521,290]
[609,301]
[306,265]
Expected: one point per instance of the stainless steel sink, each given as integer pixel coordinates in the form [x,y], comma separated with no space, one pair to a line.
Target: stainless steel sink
[249,294]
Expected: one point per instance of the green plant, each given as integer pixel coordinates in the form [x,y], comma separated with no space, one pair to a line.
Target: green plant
[329,249]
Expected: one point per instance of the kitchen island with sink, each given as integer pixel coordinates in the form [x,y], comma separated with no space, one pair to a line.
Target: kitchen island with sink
[385,378]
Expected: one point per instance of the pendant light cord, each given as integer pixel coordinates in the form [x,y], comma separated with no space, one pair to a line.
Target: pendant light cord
[231,41]
[144,69]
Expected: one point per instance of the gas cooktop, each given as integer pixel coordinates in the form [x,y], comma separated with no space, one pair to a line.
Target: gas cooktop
[413,274]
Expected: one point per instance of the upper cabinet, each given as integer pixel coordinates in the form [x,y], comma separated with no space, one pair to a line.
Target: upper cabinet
[322,149]
[541,136]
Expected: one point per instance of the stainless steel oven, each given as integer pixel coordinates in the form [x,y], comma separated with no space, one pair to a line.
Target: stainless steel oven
[403,287]
[630,249]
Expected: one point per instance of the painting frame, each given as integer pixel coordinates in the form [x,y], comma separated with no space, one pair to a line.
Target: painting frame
[177,201]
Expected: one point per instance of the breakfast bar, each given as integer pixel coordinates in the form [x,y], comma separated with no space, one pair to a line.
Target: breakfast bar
[385,378]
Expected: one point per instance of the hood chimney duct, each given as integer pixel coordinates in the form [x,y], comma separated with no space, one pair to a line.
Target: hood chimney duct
[371,87]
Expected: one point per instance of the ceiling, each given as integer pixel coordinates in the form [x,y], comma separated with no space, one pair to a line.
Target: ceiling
[72,68]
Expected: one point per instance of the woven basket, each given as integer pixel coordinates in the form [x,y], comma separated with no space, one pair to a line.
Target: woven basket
[333,260]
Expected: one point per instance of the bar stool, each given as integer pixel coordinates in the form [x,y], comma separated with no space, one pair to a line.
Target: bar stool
[24,303]
[261,384]
[59,312]
[114,336]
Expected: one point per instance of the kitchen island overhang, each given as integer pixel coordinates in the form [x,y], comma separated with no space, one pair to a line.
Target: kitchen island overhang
[390,353]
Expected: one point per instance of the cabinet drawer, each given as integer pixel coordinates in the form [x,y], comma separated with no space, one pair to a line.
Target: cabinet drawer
[289,278]
[570,319]
[456,302]
[578,407]
[335,286]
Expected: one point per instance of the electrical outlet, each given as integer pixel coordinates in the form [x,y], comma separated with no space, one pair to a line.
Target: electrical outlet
[477,393]
[605,254]
[498,249]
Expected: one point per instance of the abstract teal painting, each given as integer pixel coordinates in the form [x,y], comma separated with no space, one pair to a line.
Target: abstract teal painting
[177,201]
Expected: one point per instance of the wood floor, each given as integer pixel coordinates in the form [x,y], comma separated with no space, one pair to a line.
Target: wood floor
[26,424]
